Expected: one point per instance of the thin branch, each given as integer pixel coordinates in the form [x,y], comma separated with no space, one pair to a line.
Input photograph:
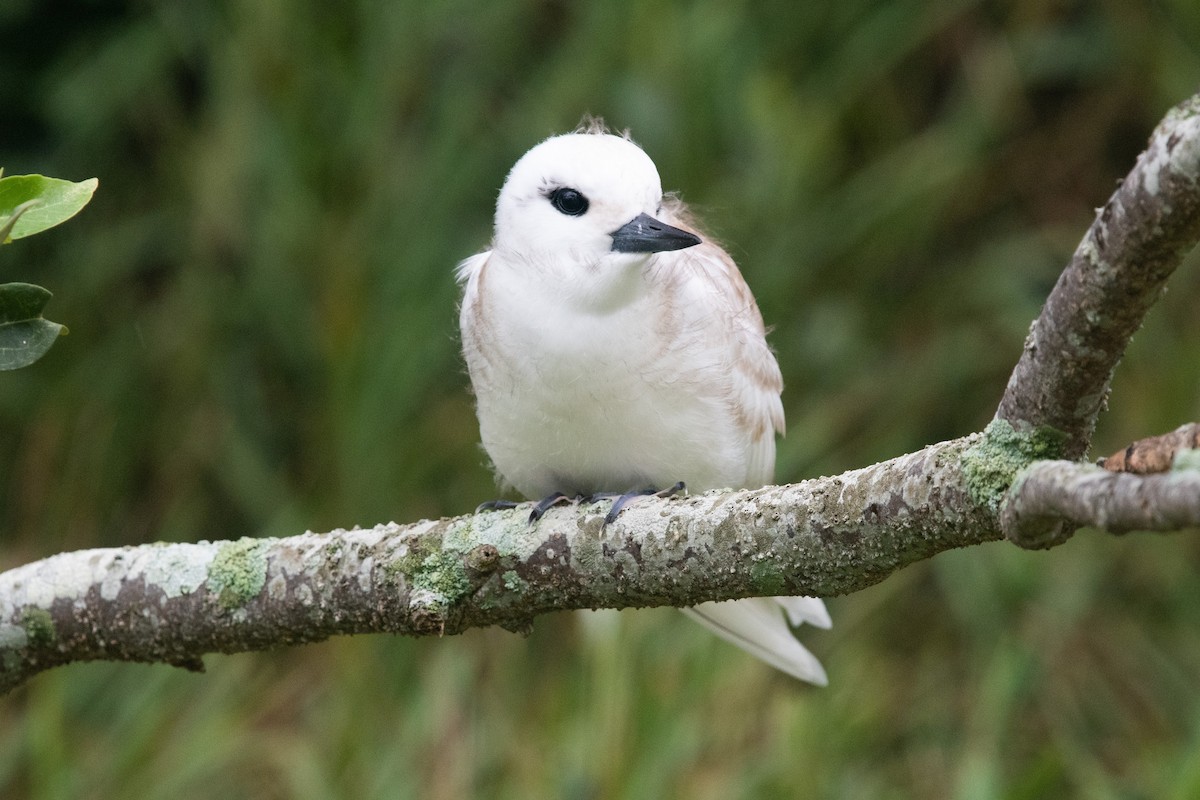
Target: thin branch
[1155,453]
[1049,492]
[1138,239]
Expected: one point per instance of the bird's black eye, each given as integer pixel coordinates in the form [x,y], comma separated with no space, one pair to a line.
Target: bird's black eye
[569,201]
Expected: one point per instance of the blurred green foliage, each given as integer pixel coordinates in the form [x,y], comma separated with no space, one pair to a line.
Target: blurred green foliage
[264,341]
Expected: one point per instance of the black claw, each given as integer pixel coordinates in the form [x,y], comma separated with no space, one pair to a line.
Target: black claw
[496,505]
[545,504]
[624,499]
[679,488]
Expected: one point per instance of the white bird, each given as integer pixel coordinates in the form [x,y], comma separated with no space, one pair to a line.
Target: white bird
[611,348]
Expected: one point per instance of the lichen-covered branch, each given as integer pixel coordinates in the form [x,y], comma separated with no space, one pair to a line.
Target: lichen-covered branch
[173,603]
[1047,493]
[1137,240]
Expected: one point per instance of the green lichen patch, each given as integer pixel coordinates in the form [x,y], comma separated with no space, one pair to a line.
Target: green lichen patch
[1186,460]
[513,582]
[39,627]
[439,571]
[238,572]
[991,465]
[766,576]
[444,574]
[448,561]
[415,553]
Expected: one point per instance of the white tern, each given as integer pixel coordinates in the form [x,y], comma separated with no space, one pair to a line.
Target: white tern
[613,347]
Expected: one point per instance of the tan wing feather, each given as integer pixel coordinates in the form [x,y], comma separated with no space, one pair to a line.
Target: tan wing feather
[756,388]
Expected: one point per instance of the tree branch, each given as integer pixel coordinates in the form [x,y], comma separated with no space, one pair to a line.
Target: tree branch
[1049,492]
[1118,271]
[172,603]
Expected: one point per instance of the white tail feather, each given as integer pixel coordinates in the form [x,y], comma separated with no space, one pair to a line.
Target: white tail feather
[756,625]
[805,609]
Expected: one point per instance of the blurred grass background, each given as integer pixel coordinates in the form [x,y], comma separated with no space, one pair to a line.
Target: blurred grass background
[263,340]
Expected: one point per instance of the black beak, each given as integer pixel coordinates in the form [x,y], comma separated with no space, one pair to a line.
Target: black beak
[645,234]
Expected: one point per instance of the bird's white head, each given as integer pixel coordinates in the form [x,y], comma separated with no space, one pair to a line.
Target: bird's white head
[584,205]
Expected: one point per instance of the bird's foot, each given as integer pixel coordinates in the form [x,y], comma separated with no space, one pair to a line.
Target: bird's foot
[623,500]
[548,502]
[539,508]
[558,498]
[496,505]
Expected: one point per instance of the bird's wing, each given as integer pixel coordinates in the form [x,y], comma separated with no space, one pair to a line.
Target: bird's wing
[755,382]
[470,319]
[470,267]
[756,625]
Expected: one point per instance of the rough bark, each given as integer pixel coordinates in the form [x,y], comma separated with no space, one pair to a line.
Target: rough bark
[1118,271]
[173,603]
[1050,492]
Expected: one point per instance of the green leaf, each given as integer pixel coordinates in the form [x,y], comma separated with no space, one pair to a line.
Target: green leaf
[24,335]
[7,225]
[30,204]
